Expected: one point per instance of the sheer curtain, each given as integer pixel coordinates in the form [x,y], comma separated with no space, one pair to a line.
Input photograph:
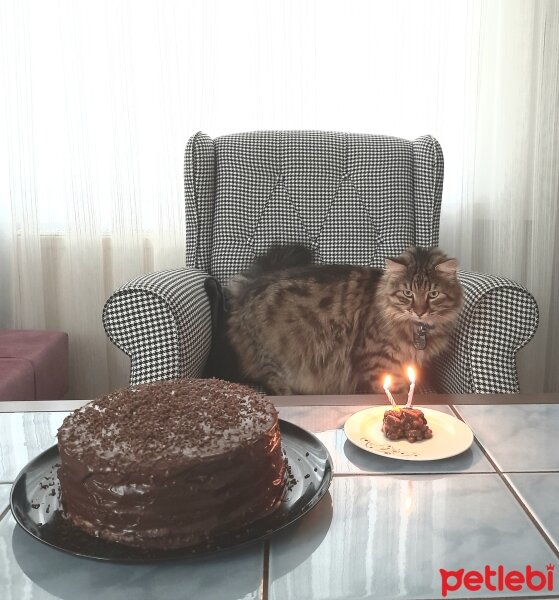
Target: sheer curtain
[98,99]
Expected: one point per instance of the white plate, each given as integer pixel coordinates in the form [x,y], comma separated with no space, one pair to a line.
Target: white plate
[450,435]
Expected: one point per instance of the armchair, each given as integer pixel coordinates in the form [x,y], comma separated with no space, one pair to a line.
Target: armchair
[353,198]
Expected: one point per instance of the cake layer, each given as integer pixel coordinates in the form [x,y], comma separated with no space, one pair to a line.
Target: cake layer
[171,464]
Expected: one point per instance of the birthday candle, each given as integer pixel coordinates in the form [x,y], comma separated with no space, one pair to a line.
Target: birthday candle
[411,376]
[386,386]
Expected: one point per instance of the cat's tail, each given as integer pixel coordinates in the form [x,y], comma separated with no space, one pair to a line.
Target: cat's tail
[282,257]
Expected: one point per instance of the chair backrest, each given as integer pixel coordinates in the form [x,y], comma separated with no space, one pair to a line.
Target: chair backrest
[353,198]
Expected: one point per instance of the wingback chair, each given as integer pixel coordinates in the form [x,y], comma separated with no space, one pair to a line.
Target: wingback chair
[354,199]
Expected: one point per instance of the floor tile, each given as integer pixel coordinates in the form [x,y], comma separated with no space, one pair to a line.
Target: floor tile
[540,492]
[388,537]
[4,496]
[519,437]
[31,570]
[323,418]
[23,436]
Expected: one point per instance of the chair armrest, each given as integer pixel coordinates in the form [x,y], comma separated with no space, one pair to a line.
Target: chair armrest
[162,322]
[498,318]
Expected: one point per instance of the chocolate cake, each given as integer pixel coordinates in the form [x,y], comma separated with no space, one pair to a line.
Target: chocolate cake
[408,423]
[171,464]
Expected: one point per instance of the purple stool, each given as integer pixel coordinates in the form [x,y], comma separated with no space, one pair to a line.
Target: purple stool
[33,364]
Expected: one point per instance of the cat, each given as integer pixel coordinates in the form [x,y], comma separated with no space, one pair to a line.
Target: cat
[298,327]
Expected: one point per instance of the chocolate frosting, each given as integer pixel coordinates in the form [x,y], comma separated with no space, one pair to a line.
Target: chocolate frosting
[171,464]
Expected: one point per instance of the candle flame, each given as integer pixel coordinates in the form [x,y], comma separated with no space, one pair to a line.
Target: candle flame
[411,374]
[387,382]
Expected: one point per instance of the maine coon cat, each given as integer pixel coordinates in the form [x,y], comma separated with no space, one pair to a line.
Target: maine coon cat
[303,328]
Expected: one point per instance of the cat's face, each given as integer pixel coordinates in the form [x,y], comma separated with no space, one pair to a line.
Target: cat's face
[421,286]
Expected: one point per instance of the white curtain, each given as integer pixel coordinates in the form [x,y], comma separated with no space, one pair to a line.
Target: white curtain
[98,99]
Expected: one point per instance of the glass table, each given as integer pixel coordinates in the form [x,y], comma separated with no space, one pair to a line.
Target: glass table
[388,528]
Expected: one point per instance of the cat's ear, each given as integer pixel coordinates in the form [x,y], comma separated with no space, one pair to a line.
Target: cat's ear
[447,267]
[394,267]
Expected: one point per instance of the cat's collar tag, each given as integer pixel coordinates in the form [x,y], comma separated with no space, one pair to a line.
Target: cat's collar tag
[420,334]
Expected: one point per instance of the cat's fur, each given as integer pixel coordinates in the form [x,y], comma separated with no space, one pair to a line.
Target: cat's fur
[304,328]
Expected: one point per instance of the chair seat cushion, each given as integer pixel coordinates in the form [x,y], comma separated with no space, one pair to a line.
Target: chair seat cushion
[34,363]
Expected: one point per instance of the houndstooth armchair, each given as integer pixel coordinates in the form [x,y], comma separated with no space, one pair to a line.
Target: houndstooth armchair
[354,199]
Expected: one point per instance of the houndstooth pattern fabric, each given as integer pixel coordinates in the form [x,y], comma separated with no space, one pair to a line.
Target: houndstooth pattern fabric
[162,322]
[498,318]
[199,189]
[428,169]
[352,198]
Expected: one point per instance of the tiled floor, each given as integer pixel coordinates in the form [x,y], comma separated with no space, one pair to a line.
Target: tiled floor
[540,493]
[522,437]
[22,437]
[385,530]
[4,496]
[34,571]
[389,536]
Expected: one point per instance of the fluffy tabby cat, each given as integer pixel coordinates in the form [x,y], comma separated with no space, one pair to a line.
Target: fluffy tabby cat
[304,328]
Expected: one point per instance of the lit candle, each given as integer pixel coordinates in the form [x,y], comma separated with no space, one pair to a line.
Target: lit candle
[386,386]
[411,377]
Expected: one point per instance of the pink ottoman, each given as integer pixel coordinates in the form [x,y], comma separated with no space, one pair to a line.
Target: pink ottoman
[33,364]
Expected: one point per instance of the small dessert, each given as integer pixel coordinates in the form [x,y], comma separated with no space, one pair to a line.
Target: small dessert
[171,464]
[406,423]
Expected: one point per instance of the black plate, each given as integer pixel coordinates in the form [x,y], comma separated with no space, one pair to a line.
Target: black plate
[35,506]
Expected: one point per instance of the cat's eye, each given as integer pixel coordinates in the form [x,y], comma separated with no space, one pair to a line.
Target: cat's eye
[407,293]
[433,294]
